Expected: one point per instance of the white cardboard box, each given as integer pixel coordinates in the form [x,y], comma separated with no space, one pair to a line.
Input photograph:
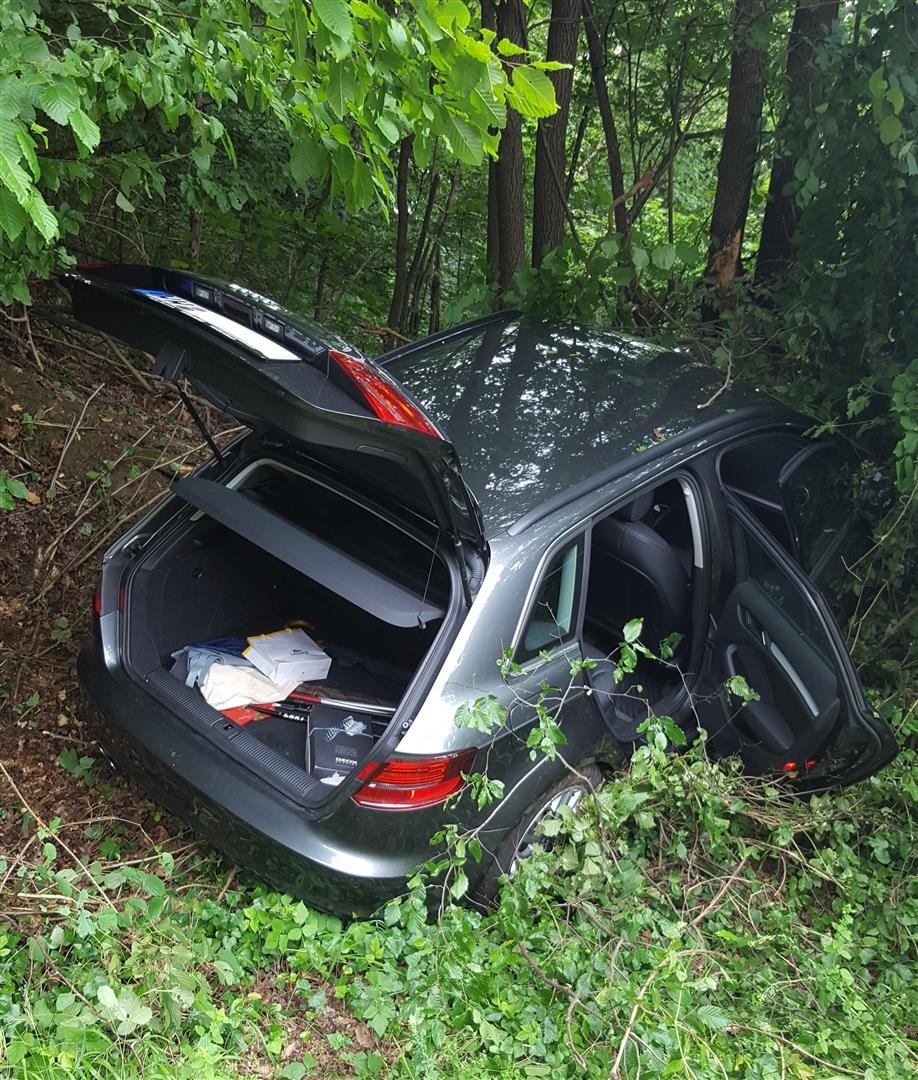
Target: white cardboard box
[288,654]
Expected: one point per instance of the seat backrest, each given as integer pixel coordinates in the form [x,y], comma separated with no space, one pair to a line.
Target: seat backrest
[635,573]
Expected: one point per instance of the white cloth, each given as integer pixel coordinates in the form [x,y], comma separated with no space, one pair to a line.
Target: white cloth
[228,687]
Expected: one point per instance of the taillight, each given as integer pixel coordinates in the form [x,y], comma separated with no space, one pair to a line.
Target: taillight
[382,395]
[97,597]
[406,783]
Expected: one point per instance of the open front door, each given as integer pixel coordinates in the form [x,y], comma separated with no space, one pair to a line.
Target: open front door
[811,721]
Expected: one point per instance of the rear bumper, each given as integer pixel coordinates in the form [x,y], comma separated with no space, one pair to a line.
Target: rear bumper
[348,863]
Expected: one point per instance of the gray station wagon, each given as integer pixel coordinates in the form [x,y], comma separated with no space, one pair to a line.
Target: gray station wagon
[509,487]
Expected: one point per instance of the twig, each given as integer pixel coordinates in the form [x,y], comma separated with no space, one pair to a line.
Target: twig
[72,435]
[28,329]
[623,1045]
[18,457]
[82,556]
[725,385]
[562,988]
[708,908]
[138,375]
[229,881]
[58,839]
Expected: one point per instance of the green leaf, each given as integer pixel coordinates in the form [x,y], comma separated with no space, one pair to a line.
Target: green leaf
[464,141]
[334,15]
[877,84]
[300,31]
[12,215]
[896,98]
[713,1017]
[43,217]
[387,129]
[737,687]
[459,886]
[85,129]
[59,100]
[485,94]
[890,129]
[632,630]
[506,47]
[531,93]
[340,89]
[639,257]
[124,203]
[397,35]
[12,174]
[664,256]
[305,157]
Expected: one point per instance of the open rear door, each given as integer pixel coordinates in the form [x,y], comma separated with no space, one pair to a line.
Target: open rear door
[811,721]
[283,374]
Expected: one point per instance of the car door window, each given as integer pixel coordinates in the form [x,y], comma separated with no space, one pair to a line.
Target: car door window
[553,617]
[750,470]
[818,489]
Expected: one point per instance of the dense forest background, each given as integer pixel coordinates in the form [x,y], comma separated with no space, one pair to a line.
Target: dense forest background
[738,178]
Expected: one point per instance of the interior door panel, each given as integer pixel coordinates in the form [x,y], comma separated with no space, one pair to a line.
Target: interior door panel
[777,632]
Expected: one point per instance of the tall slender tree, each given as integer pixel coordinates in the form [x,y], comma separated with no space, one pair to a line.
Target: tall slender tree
[812,21]
[549,199]
[736,167]
[610,134]
[508,173]
[400,285]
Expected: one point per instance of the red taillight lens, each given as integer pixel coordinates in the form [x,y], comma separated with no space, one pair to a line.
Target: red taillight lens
[407,783]
[97,597]
[382,395]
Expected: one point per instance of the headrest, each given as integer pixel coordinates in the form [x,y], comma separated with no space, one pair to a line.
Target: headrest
[637,509]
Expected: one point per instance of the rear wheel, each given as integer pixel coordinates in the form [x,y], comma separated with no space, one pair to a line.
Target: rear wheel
[569,791]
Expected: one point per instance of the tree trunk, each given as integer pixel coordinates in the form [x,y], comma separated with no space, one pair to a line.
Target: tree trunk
[610,134]
[321,279]
[489,22]
[511,230]
[549,203]
[433,324]
[412,283]
[736,167]
[582,126]
[400,286]
[812,21]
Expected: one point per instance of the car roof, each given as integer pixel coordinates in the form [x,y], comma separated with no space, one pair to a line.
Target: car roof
[536,408]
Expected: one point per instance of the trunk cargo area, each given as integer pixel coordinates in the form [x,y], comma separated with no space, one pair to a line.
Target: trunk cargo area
[201,580]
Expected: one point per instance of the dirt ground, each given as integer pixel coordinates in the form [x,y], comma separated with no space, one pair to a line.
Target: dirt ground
[96,440]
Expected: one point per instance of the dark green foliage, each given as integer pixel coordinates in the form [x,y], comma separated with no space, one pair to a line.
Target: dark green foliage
[688,920]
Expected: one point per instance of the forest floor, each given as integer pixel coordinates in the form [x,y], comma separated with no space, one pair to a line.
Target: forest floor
[97,441]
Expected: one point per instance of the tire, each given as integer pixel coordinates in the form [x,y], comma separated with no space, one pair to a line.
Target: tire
[570,790]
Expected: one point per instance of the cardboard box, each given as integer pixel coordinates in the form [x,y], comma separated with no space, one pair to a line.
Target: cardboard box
[288,655]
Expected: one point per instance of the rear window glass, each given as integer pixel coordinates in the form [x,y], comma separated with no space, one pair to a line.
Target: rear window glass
[553,618]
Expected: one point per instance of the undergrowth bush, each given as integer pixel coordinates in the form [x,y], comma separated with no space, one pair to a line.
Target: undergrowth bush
[687,921]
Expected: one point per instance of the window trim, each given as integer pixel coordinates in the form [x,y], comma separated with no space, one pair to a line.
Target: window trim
[579,533]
